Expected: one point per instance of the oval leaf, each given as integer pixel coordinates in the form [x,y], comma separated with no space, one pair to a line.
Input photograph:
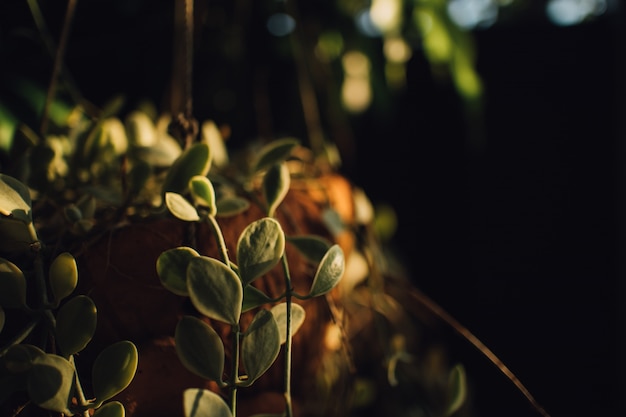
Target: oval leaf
[275,186]
[280,315]
[274,153]
[260,247]
[15,199]
[112,409]
[181,208]
[313,248]
[76,324]
[20,358]
[201,403]
[457,389]
[196,160]
[231,206]
[253,297]
[203,193]
[63,276]
[172,266]
[215,290]
[12,285]
[329,272]
[51,383]
[113,370]
[260,346]
[200,348]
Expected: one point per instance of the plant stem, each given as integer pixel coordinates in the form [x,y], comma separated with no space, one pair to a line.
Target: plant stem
[288,341]
[219,236]
[20,336]
[234,373]
[82,401]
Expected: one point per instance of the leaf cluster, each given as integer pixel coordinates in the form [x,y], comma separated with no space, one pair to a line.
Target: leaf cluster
[46,371]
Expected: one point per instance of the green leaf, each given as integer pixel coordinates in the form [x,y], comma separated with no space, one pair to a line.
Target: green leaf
[15,236]
[15,199]
[203,403]
[329,271]
[260,346]
[275,186]
[12,285]
[312,247]
[181,208]
[215,290]
[63,276]
[457,389]
[113,370]
[253,297]
[199,348]
[172,266]
[51,383]
[20,358]
[196,160]
[76,324]
[260,247]
[203,193]
[274,153]
[280,315]
[231,206]
[138,176]
[111,409]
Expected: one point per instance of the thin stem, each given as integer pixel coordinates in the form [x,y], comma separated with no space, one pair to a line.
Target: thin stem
[288,341]
[234,373]
[20,336]
[219,236]
[58,64]
[82,401]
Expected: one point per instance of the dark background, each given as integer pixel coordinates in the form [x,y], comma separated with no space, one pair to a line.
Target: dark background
[518,236]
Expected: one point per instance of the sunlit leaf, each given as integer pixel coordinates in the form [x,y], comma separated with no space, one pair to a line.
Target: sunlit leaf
[111,409]
[12,285]
[231,206]
[181,208]
[253,297]
[259,248]
[196,160]
[329,271]
[76,324]
[457,389]
[113,370]
[51,383]
[215,290]
[260,346]
[275,186]
[280,315]
[274,153]
[204,403]
[203,193]
[15,199]
[63,275]
[200,348]
[312,247]
[172,266]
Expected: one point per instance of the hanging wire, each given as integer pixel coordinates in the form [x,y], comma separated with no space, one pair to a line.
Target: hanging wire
[184,126]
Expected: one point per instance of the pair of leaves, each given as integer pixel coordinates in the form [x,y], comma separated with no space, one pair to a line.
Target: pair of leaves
[51,378]
[201,350]
[214,288]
